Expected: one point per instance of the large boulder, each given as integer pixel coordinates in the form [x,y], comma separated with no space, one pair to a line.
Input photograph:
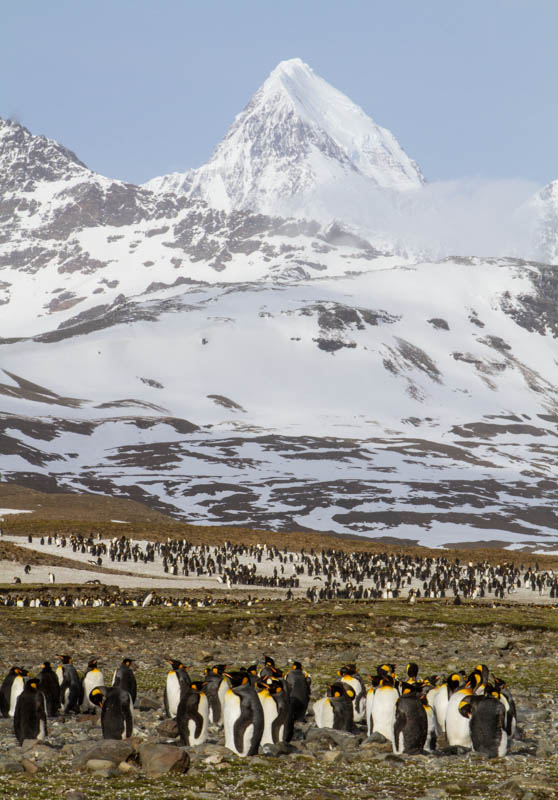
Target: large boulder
[158,759]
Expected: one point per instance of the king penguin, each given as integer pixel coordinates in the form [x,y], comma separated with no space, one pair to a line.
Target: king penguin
[92,678]
[192,715]
[117,713]
[6,690]
[486,717]
[243,720]
[336,709]
[276,711]
[49,686]
[30,713]
[457,725]
[216,687]
[381,706]
[178,681]
[410,728]
[17,687]
[125,679]
[71,690]
[299,684]
[349,674]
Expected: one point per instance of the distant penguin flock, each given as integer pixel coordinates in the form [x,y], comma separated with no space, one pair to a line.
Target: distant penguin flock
[317,574]
[255,707]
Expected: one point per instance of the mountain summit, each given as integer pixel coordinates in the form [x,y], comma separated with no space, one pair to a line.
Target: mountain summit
[300,147]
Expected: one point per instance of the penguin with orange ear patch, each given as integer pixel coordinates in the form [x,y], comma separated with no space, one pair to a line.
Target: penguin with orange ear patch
[117,711]
[336,710]
[276,711]
[192,715]
[30,713]
[410,729]
[486,717]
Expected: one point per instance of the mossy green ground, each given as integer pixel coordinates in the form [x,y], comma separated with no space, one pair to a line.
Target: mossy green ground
[367,632]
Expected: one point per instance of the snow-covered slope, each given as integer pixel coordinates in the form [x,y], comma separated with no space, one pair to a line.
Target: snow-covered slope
[299,148]
[418,402]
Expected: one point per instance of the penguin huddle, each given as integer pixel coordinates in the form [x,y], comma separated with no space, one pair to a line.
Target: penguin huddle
[253,707]
[411,713]
[30,701]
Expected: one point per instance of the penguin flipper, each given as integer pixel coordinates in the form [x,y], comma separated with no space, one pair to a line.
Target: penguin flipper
[400,722]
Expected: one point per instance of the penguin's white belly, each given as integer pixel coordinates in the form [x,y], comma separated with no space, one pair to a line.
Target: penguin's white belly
[231,712]
[323,713]
[359,706]
[383,711]
[270,714]
[203,710]
[173,694]
[17,688]
[224,686]
[91,681]
[440,705]
[457,726]
[503,746]
[247,740]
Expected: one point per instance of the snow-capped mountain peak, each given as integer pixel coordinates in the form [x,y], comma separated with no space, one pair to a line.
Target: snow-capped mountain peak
[300,147]
[26,159]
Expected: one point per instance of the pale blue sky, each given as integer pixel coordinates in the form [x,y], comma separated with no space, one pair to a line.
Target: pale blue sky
[138,88]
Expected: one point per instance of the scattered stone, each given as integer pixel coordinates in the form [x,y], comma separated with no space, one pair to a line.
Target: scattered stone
[168,729]
[113,750]
[146,703]
[8,764]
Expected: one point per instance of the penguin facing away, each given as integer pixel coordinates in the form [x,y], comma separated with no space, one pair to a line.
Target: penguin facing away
[276,711]
[30,720]
[71,689]
[192,715]
[178,681]
[299,684]
[92,678]
[125,679]
[243,720]
[487,719]
[410,728]
[49,686]
[117,713]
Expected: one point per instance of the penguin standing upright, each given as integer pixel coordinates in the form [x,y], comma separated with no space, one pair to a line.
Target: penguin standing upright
[457,726]
[349,674]
[92,678]
[410,728]
[299,684]
[336,709]
[503,694]
[216,685]
[6,690]
[71,690]
[30,713]
[276,711]
[192,715]
[49,686]
[117,713]
[17,687]
[243,720]
[178,681]
[487,721]
[381,706]
[125,679]
[439,698]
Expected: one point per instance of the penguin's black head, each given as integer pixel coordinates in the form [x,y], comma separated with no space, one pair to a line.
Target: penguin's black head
[296,665]
[97,697]
[32,684]
[175,664]
[65,659]
[127,661]
[92,664]
[252,669]
[198,686]
[269,661]
[46,665]
[412,669]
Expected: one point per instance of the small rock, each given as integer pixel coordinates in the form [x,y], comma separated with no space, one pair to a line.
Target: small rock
[29,766]
[75,795]
[168,729]
[97,764]
[113,750]
[146,703]
[8,764]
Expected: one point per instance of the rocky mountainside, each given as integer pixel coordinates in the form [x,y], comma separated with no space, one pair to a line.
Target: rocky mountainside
[228,365]
[299,148]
